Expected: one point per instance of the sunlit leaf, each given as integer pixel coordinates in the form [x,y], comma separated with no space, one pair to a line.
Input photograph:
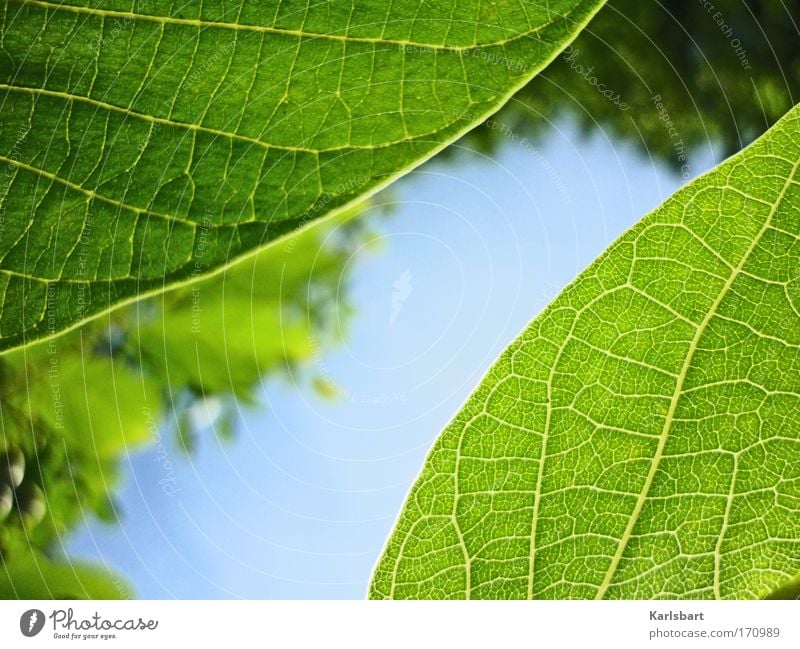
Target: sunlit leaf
[145,143]
[641,438]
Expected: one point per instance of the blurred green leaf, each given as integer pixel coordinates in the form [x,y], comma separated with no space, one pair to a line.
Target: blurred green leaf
[720,86]
[33,576]
[72,407]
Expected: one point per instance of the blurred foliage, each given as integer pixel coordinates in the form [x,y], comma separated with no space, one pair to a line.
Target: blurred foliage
[725,71]
[179,362]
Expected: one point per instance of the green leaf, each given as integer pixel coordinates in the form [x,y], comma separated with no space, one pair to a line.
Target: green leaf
[146,143]
[32,575]
[641,438]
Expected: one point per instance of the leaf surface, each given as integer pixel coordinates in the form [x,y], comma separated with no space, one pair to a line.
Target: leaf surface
[641,438]
[144,142]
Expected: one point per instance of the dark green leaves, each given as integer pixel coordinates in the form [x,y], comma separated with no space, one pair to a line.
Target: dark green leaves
[146,143]
[641,438]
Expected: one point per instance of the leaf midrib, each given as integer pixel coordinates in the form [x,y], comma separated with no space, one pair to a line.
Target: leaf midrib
[299,33]
[166,121]
[678,392]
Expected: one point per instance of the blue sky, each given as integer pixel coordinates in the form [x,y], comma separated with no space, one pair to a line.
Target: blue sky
[300,503]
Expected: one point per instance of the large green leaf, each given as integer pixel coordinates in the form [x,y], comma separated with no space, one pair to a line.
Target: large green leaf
[641,438]
[146,142]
